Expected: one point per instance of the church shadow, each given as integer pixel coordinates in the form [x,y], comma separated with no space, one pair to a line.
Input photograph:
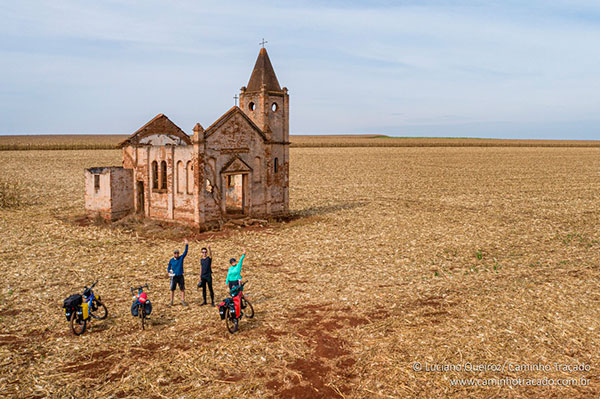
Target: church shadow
[321,210]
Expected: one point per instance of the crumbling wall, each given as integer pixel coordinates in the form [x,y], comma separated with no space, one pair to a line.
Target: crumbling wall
[121,187]
[97,193]
[108,192]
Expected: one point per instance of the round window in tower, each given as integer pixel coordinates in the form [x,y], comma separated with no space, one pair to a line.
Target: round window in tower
[251,106]
[274,107]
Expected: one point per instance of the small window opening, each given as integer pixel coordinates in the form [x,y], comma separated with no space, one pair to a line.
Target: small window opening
[251,106]
[97,182]
[276,165]
[163,175]
[155,175]
[274,107]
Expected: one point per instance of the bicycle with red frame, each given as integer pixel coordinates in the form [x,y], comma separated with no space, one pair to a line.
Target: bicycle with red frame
[141,306]
[232,308]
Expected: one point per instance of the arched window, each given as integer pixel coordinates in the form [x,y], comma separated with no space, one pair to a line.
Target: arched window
[180,177]
[190,177]
[276,165]
[257,170]
[163,175]
[155,175]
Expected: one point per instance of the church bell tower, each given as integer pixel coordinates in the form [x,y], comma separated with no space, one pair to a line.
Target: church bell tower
[265,102]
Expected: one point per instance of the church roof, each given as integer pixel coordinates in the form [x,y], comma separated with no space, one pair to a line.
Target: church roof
[160,124]
[263,73]
[226,116]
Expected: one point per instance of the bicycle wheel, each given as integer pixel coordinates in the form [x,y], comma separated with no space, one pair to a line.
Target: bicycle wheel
[98,310]
[77,325]
[249,312]
[231,322]
[142,314]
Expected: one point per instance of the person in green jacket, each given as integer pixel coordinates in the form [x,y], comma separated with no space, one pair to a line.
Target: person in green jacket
[234,278]
[234,275]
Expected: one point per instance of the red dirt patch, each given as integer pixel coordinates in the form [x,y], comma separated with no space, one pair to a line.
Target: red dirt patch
[329,347]
[9,312]
[331,325]
[273,385]
[151,346]
[11,340]
[319,325]
[356,321]
[346,363]
[301,392]
[273,335]
[229,377]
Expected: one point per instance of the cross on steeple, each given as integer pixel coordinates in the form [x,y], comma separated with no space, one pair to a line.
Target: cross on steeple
[263,43]
[235,98]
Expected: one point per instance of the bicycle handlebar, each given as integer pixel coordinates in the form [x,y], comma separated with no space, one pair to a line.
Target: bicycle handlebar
[140,287]
[85,287]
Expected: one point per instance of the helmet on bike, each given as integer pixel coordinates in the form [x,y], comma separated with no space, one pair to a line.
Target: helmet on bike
[143,298]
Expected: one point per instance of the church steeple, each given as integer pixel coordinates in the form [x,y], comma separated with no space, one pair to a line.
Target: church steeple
[265,102]
[263,74]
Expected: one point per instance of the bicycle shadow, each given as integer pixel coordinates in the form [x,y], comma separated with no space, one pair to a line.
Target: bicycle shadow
[159,322]
[101,325]
[255,323]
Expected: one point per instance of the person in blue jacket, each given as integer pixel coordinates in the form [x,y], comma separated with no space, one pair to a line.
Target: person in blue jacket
[175,271]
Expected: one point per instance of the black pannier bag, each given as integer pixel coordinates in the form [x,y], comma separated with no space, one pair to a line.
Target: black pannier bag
[134,309]
[73,301]
[227,303]
[71,304]
[147,308]
[222,309]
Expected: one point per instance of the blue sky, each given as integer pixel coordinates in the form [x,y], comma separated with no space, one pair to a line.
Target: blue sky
[509,69]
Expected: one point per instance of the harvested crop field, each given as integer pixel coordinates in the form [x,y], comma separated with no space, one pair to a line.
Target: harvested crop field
[110,141]
[398,260]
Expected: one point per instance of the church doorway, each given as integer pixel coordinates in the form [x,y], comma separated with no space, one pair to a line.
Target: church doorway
[235,193]
[140,197]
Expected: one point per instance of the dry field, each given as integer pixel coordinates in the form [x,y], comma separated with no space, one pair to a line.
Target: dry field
[109,141]
[401,255]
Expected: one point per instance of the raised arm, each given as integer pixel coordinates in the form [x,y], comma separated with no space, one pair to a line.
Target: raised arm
[209,251]
[186,249]
[238,267]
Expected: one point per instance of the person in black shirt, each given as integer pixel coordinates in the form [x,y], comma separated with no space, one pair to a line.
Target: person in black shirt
[206,275]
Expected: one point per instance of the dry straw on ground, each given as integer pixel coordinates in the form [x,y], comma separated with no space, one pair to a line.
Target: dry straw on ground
[435,255]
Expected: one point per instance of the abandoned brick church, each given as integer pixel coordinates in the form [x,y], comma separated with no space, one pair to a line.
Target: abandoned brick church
[239,166]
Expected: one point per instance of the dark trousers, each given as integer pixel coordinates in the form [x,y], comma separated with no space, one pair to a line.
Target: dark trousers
[204,283]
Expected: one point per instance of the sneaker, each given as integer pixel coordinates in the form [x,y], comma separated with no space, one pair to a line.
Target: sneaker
[184,303]
[202,304]
[212,304]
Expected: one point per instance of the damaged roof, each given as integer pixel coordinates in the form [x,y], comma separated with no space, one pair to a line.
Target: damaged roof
[160,124]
